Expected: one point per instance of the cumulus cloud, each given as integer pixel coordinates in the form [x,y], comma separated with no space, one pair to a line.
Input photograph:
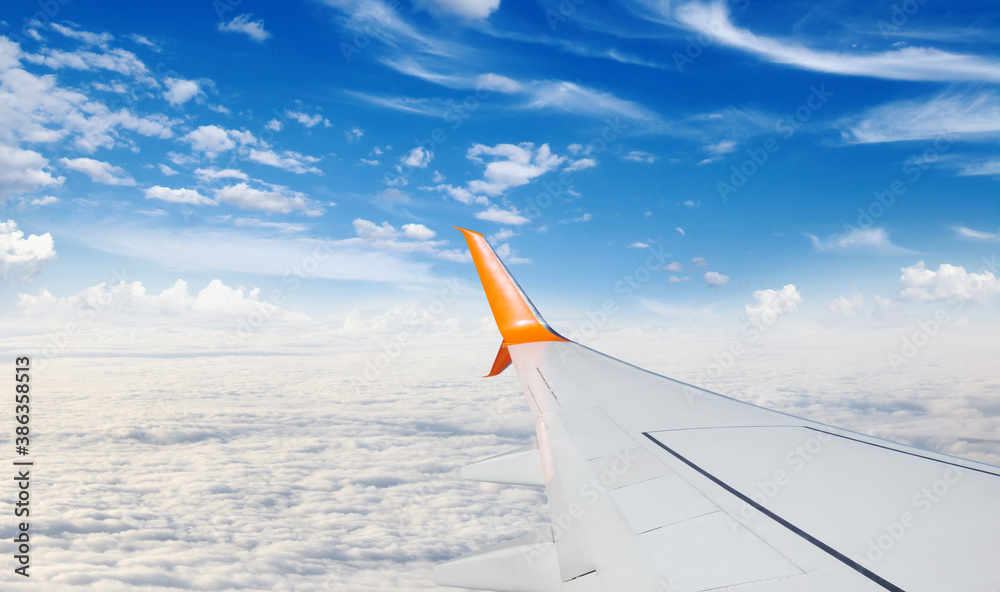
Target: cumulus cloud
[287,160]
[875,240]
[213,174]
[210,139]
[674,267]
[180,196]
[495,214]
[768,305]
[414,238]
[639,156]
[418,232]
[950,283]
[305,119]
[179,91]
[509,165]
[99,171]
[22,171]
[418,157]
[27,255]
[715,279]
[215,301]
[846,308]
[38,110]
[243,25]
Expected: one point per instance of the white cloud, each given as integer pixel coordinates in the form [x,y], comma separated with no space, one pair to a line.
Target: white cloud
[248,198]
[21,171]
[675,267]
[678,279]
[213,174]
[99,171]
[459,194]
[511,166]
[639,156]
[501,235]
[418,158]
[509,255]
[639,245]
[415,238]
[989,167]
[581,164]
[467,9]
[715,279]
[908,63]
[115,60]
[371,162]
[699,262]
[494,214]
[976,235]
[274,125]
[847,308]
[167,171]
[282,226]
[180,91]
[44,201]
[858,239]
[950,283]
[768,305]
[181,196]
[28,255]
[680,231]
[287,160]
[98,39]
[210,139]
[216,301]
[354,134]
[438,178]
[306,119]
[692,204]
[418,232]
[38,110]
[242,24]
[720,148]
[944,118]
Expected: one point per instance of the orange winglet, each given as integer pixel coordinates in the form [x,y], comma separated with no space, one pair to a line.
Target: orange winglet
[516,317]
[503,360]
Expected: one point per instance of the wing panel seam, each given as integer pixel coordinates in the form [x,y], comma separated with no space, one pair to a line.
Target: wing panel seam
[808,537]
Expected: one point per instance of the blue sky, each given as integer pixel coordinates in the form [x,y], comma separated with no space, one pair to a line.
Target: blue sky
[746,144]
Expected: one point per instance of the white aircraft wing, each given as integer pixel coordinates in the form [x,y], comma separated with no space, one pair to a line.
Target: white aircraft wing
[657,485]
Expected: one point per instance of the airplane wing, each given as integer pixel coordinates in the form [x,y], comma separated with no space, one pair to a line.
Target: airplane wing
[657,485]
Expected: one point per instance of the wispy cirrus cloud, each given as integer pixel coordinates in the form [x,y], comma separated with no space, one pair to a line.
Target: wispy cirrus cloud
[908,63]
[969,115]
[874,240]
